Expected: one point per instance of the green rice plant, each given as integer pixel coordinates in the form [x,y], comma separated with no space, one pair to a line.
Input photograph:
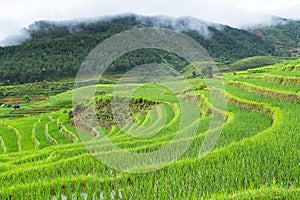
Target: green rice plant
[284,96]
[47,134]
[19,135]
[65,132]
[25,126]
[3,145]
[35,141]
[282,80]
[263,193]
[55,132]
[269,85]
[9,137]
[40,132]
[256,156]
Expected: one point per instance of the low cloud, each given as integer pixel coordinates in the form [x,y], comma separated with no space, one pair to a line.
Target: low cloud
[17,14]
[16,39]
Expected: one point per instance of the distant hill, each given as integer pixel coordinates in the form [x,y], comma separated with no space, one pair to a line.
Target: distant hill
[254,62]
[55,50]
[282,33]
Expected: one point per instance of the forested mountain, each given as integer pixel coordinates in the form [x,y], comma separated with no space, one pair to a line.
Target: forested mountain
[55,50]
[287,33]
[283,33]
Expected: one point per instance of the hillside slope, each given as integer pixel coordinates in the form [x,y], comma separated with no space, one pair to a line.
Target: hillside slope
[55,50]
[285,34]
[256,156]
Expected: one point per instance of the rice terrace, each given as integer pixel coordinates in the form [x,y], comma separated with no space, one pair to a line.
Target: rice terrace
[52,147]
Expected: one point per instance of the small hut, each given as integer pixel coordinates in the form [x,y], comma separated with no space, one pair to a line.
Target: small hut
[16,107]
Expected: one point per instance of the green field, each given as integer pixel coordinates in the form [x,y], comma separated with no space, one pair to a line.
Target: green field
[256,156]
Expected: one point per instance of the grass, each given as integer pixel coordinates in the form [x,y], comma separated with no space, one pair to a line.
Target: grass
[286,73]
[262,83]
[40,132]
[25,127]
[256,156]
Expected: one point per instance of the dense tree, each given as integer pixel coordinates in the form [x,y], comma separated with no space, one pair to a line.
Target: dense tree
[287,33]
[56,50]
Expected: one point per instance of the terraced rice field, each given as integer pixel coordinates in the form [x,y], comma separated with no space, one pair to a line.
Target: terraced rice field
[255,157]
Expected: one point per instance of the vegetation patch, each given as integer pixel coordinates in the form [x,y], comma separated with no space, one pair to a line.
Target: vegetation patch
[284,96]
[106,117]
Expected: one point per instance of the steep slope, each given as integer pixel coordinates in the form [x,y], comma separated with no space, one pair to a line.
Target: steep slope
[282,33]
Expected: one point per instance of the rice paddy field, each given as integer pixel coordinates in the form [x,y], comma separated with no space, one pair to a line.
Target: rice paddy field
[257,155]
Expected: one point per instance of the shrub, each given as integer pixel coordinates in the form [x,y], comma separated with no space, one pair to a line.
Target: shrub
[26,98]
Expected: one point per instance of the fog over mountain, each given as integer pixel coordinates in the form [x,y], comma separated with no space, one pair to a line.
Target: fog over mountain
[17,14]
[56,49]
[180,24]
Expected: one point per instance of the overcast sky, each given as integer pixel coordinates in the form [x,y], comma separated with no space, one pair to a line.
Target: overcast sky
[16,14]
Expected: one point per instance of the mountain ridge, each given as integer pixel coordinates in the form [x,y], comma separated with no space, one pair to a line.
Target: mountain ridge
[56,49]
